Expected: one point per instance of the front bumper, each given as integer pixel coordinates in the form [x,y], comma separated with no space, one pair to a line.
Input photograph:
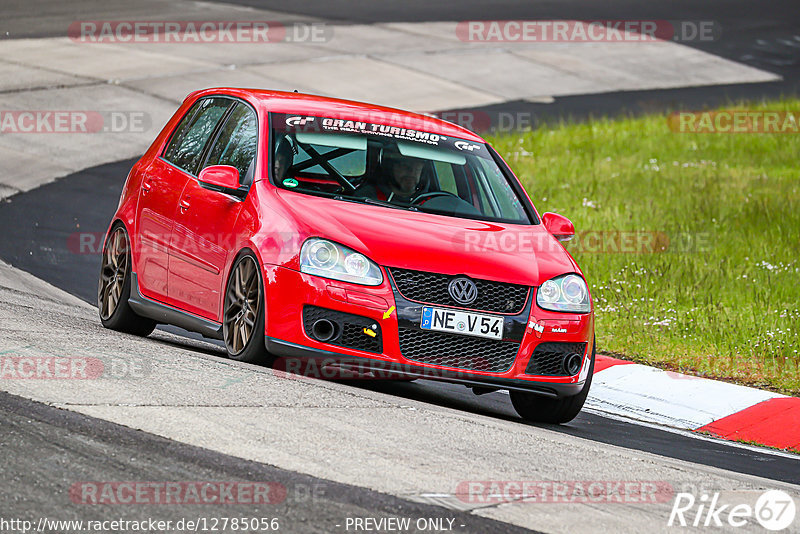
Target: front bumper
[288,292]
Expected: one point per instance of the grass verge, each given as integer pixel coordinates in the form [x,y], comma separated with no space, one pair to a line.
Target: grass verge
[690,242]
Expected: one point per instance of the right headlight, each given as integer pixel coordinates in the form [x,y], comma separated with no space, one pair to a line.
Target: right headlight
[325,258]
[566,293]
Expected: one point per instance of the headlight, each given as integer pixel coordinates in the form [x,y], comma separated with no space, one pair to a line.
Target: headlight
[332,260]
[565,294]
[322,255]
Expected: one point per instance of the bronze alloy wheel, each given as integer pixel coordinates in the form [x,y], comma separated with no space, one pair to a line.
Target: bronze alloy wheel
[112,274]
[241,305]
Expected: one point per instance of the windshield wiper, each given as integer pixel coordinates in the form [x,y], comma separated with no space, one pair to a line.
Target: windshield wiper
[376,202]
[368,200]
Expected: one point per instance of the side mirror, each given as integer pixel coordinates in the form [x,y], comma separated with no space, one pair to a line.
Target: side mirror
[221,178]
[558,225]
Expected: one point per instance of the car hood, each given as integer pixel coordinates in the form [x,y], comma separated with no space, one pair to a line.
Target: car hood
[512,253]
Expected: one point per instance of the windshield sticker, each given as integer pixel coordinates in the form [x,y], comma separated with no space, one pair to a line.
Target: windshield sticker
[291,182]
[297,123]
[342,125]
[463,145]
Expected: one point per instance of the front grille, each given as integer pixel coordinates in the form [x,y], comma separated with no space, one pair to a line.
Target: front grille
[431,288]
[461,352]
[349,330]
[548,358]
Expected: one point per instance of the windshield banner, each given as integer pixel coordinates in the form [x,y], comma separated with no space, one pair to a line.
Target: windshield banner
[292,123]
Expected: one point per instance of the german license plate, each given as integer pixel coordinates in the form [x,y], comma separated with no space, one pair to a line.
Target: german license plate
[461,322]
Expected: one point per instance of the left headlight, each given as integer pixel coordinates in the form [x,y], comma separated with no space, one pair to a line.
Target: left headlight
[565,294]
[325,258]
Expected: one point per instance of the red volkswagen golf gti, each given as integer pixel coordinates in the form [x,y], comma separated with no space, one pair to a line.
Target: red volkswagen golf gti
[311,229]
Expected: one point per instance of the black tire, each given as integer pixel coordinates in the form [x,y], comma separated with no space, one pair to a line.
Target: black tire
[253,349]
[116,313]
[539,409]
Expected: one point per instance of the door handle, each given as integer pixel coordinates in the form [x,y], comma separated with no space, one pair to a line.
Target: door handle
[146,186]
[184,205]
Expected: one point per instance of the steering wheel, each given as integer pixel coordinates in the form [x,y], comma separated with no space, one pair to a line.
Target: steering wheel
[432,194]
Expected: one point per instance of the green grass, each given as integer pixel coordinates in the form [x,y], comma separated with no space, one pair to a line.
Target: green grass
[723,299]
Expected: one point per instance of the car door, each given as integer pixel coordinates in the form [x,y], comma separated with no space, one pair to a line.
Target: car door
[163,181]
[203,236]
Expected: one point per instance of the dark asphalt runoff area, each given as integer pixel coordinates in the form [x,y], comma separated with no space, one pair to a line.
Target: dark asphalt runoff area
[56,232]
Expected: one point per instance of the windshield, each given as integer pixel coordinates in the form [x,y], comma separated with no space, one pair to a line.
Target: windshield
[391,166]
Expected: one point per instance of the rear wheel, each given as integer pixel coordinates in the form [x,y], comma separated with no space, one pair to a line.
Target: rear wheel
[536,408]
[114,287]
[243,321]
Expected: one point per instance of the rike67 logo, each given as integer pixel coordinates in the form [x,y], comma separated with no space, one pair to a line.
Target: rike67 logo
[774,510]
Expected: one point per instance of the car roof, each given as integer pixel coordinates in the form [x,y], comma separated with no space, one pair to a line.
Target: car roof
[301,103]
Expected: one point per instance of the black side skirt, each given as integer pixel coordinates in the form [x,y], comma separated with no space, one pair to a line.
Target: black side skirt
[164,314]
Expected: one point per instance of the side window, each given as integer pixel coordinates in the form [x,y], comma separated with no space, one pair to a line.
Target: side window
[236,143]
[488,200]
[506,202]
[190,137]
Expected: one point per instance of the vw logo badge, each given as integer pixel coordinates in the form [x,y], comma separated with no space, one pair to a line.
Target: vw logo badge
[463,290]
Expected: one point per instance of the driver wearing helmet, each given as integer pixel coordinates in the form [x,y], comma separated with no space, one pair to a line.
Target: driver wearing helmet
[399,179]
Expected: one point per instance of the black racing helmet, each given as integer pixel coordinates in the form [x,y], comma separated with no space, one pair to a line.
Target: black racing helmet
[286,149]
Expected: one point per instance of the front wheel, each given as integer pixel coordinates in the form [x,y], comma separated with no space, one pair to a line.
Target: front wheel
[114,287]
[243,321]
[538,409]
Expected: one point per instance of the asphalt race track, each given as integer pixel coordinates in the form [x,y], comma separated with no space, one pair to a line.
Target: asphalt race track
[46,434]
